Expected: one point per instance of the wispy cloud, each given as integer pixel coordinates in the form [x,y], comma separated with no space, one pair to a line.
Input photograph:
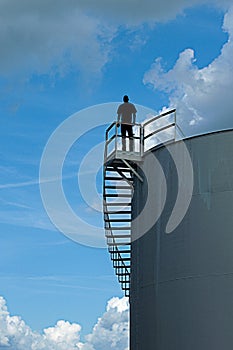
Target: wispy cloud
[20,184]
[15,204]
[36,181]
[26,218]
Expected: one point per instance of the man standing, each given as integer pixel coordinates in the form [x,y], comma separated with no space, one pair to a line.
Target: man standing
[126,117]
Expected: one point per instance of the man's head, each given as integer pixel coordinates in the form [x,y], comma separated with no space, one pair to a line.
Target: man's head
[125,98]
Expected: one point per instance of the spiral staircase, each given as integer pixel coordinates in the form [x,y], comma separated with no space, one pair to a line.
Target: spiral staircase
[119,174]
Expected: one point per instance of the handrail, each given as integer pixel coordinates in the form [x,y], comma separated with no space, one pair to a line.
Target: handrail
[136,124]
[119,123]
[135,137]
[110,127]
[159,116]
[159,130]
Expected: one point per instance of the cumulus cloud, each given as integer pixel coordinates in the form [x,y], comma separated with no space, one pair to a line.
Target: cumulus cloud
[15,334]
[110,332]
[203,97]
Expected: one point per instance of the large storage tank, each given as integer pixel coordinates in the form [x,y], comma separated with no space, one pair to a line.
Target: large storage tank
[181,293]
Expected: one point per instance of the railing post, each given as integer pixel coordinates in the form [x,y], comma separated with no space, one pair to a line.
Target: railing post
[175,126]
[141,140]
[106,146]
[116,133]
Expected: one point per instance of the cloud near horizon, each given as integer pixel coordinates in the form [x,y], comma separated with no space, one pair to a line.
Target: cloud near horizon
[202,97]
[110,332]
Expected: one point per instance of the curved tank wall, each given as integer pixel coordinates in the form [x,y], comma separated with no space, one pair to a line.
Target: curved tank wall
[181,294]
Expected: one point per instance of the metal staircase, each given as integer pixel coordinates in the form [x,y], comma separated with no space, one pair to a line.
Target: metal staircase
[118,193]
[118,187]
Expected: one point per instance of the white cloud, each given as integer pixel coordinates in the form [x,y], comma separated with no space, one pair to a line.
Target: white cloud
[64,334]
[15,334]
[44,36]
[203,97]
[56,37]
[110,332]
[134,12]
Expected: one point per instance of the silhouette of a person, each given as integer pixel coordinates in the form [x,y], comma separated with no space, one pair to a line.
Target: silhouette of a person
[127,116]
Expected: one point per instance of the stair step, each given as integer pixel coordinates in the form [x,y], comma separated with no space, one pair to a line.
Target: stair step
[116,267]
[119,204]
[125,273]
[117,236]
[117,220]
[118,168]
[122,273]
[118,187]
[118,264]
[120,212]
[128,251]
[114,208]
[123,270]
[123,263]
[121,259]
[114,244]
[120,253]
[120,228]
[119,195]
[116,231]
[123,253]
[117,178]
[122,204]
[118,257]
[118,244]
[124,278]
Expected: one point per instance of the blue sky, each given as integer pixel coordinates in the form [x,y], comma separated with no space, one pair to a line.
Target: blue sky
[59,58]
